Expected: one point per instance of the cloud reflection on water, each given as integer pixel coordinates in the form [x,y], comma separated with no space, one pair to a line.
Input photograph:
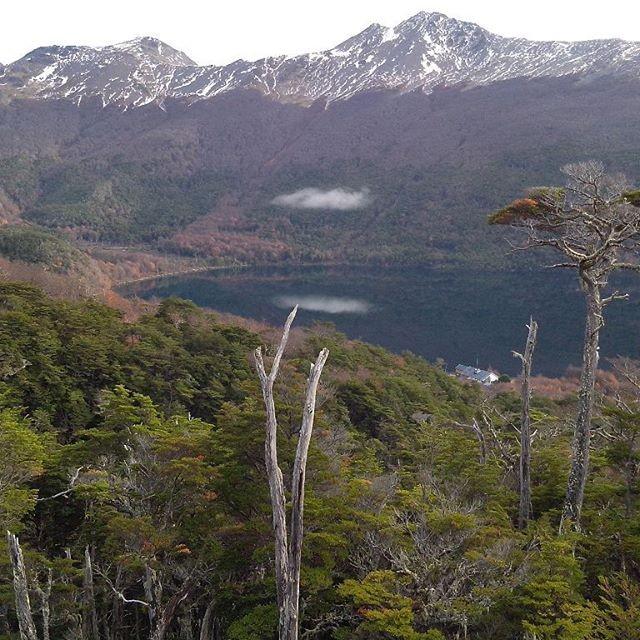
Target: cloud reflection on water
[324,304]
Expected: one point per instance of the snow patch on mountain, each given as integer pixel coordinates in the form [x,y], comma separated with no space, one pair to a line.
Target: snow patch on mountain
[423,52]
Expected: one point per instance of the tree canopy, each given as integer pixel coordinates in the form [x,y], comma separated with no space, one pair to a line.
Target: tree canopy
[135,450]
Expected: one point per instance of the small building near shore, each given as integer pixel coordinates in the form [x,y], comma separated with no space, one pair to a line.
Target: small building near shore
[476,375]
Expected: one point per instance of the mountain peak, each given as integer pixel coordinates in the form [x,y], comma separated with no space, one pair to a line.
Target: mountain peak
[49,52]
[159,50]
[147,41]
[434,22]
[425,19]
[425,16]
[425,51]
[373,35]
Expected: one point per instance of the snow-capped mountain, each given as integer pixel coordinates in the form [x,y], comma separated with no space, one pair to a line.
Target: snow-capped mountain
[130,73]
[423,52]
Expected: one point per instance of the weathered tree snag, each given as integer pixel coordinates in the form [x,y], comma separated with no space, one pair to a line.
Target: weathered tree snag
[90,618]
[582,436]
[298,483]
[160,616]
[206,626]
[23,605]
[115,629]
[594,222]
[107,629]
[153,593]
[524,513]
[44,594]
[186,626]
[73,620]
[288,549]
[274,473]
[165,615]
[73,617]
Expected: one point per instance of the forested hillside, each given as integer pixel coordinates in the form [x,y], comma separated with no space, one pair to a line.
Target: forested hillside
[204,179]
[133,475]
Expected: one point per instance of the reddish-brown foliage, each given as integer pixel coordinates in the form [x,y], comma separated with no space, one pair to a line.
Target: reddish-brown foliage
[518,211]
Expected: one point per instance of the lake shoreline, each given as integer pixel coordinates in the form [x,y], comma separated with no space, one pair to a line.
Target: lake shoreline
[267,265]
[460,316]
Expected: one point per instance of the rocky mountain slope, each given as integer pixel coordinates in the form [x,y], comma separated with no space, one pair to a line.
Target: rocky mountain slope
[392,147]
[425,51]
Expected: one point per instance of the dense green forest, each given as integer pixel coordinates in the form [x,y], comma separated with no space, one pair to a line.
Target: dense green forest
[39,247]
[151,203]
[137,449]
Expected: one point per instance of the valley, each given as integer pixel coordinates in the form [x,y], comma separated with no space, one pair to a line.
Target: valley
[127,160]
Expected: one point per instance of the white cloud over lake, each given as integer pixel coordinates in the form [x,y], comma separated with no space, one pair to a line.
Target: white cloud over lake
[339,199]
[325,304]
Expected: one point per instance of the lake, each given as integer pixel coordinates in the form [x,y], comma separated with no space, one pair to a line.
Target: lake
[462,317]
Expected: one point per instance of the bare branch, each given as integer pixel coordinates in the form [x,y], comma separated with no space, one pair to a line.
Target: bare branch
[562,265]
[616,295]
[283,343]
[627,266]
[118,593]
[72,487]
[475,427]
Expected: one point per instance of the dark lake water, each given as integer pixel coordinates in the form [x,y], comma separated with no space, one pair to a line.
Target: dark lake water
[469,318]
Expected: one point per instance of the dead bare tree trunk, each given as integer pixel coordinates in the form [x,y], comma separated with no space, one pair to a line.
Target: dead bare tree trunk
[594,222]
[186,626]
[23,605]
[288,549]
[73,619]
[153,593]
[165,615]
[206,626]
[117,608]
[44,593]
[582,436]
[524,513]
[161,617]
[90,618]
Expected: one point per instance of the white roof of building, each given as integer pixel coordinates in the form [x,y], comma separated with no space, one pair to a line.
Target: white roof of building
[479,375]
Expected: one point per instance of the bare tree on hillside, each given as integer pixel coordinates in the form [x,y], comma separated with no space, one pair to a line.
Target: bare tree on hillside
[526,358]
[288,545]
[24,614]
[594,223]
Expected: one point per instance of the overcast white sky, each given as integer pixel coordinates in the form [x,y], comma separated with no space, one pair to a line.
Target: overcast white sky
[220,31]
